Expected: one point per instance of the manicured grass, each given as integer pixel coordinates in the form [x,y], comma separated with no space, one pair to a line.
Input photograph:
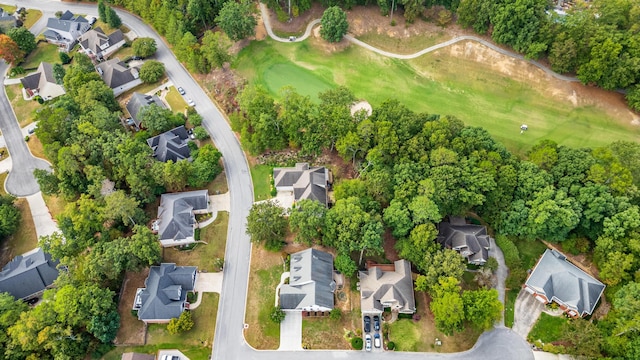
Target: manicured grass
[24,109]
[175,100]
[8,8]
[266,268]
[261,177]
[436,83]
[142,88]
[32,17]
[530,252]
[35,146]
[325,333]
[123,53]
[409,45]
[202,255]
[44,52]
[108,29]
[219,185]
[25,239]
[547,329]
[3,178]
[509,307]
[406,336]
[55,204]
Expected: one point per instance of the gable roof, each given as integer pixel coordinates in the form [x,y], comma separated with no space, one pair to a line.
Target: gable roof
[379,288]
[311,281]
[43,81]
[175,213]
[558,279]
[171,145]
[115,73]
[472,241]
[28,274]
[166,290]
[307,183]
[139,101]
[96,38]
[68,23]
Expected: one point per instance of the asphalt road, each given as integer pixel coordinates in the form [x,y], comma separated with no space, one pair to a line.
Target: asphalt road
[229,343]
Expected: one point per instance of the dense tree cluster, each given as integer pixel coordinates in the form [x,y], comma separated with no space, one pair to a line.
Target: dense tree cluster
[9,216]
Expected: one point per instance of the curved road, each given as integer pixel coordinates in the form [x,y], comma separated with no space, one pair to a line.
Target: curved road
[267,22]
[229,343]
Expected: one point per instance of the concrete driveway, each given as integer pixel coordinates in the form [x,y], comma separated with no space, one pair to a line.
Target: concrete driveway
[526,312]
[209,282]
[41,216]
[284,199]
[291,332]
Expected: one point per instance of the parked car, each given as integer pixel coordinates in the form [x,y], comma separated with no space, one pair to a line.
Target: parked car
[367,324]
[292,38]
[192,136]
[376,323]
[376,340]
[367,342]
[31,130]
[92,20]
[181,91]
[191,102]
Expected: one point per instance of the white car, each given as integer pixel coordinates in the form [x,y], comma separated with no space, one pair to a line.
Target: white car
[367,342]
[376,340]
[191,102]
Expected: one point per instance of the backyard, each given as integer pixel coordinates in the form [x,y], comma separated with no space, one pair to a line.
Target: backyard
[44,52]
[498,99]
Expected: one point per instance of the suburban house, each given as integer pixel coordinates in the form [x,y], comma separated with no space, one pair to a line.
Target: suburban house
[171,145]
[42,82]
[29,274]
[7,21]
[305,182]
[311,282]
[137,102]
[177,216]
[555,279]
[471,241]
[165,294]
[118,76]
[66,30]
[387,286]
[97,45]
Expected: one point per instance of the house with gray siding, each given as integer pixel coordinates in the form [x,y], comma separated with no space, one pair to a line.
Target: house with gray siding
[555,279]
[28,275]
[304,181]
[42,82]
[387,286]
[171,145]
[177,212]
[66,29]
[471,241]
[311,282]
[164,296]
[139,101]
[97,45]
[118,76]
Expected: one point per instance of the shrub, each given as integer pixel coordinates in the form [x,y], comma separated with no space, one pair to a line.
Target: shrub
[196,234]
[277,315]
[576,246]
[134,313]
[180,324]
[336,314]
[391,345]
[356,343]
[510,251]
[64,57]
[195,119]
[200,133]
[492,264]
[26,138]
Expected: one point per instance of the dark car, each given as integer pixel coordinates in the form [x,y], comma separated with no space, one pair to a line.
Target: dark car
[181,91]
[367,324]
[376,323]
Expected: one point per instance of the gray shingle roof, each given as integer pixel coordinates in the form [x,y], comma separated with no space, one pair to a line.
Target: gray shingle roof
[166,290]
[42,80]
[307,183]
[559,280]
[28,274]
[470,240]
[175,213]
[171,145]
[138,101]
[95,38]
[50,34]
[379,289]
[311,281]
[115,73]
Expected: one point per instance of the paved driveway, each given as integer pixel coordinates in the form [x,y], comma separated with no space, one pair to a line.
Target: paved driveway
[209,282]
[526,312]
[291,331]
[41,216]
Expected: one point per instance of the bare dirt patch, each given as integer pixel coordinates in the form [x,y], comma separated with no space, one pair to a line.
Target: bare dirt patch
[131,331]
[296,25]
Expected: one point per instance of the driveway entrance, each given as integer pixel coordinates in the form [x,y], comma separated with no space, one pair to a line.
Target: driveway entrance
[291,331]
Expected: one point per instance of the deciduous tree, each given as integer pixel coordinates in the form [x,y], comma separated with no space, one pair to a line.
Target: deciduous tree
[144,47]
[151,71]
[24,38]
[10,51]
[334,24]
[236,19]
[307,220]
[266,224]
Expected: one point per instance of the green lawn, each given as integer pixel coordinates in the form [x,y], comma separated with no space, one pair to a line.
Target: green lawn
[261,176]
[23,240]
[262,333]
[44,52]
[530,252]
[3,178]
[435,84]
[405,334]
[24,109]
[547,329]
[175,100]
[8,8]
[123,53]
[32,17]
[509,307]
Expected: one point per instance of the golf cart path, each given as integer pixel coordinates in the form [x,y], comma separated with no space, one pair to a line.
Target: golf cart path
[457,39]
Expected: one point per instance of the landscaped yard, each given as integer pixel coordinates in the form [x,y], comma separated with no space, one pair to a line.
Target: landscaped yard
[202,255]
[3,178]
[325,333]
[442,83]
[219,185]
[261,177]
[25,239]
[32,17]
[44,52]
[266,268]
[35,146]
[410,335]
[23,109]
[547,329]
[175,100]
[530,252]
[509,306]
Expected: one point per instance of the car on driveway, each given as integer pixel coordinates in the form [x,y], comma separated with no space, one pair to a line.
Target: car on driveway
[181,91]
[376,323]
[367,324]
[191,102]
[376,340]
[367,342]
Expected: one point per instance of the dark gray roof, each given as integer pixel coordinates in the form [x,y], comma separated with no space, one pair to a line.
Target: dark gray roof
[63,25]
[470,240]
[37,79]
[166,290]
[95,38]
[138,101]
[67,15]
[559,280]
[307,183]
[28,274]
[50,34]
[171,145]
[175,213]
[310,282]
[379,289]
[31,81]
[115,73]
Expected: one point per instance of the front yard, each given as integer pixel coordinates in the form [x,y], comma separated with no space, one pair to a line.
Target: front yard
[261,176]
[547,329]
[175,100]
[24,109]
